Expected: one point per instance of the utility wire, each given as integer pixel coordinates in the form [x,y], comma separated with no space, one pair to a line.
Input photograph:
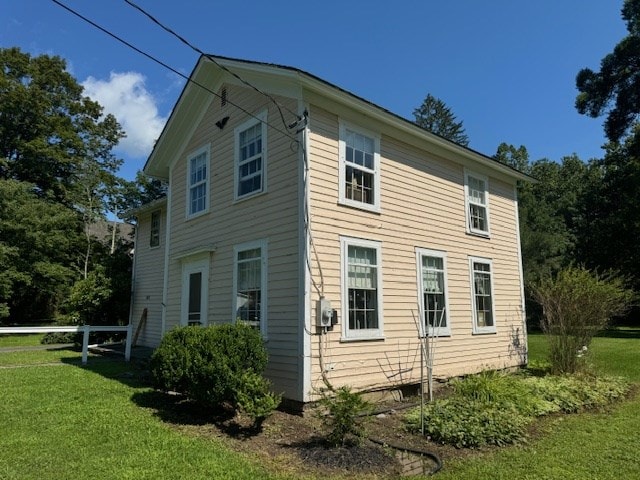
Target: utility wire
[168,67]
[213,59]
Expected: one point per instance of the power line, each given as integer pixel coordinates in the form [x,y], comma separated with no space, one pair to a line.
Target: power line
[212,59]
[170,68]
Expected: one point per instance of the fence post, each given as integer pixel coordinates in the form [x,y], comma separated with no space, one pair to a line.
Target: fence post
[127,346]
[85,344]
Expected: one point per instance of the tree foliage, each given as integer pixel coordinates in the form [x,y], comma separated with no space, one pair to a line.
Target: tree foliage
[58,177]
[614,89]
[435,116]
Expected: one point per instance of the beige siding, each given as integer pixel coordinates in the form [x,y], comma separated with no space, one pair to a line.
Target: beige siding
[148,280]
[422,205]
[271,216]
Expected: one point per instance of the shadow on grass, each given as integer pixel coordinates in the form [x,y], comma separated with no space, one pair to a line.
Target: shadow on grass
[624,333]
[172,408]
[178,410]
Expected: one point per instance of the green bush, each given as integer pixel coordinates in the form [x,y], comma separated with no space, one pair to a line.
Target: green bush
[347,415]
[576,305]
[215,366]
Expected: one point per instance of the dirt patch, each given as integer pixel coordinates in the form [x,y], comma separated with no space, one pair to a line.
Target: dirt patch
[294,445]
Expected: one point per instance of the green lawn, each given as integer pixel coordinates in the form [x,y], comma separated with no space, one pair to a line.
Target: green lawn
[71,422]
[68,421]
[16,340]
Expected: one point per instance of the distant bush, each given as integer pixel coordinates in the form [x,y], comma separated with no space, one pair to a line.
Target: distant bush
[53,338]
[494,408]
[576,305]
[215,366]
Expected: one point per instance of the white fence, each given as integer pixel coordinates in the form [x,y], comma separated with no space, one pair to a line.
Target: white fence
[85,337]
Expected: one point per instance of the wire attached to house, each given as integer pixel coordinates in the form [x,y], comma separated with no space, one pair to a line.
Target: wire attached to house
[170,68]
[213,59]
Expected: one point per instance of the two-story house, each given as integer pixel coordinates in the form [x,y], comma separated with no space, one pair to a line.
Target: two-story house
[340,230]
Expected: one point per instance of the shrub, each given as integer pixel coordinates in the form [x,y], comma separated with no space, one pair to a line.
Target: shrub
[464,422]
[576,305]
[494,408]
[214,366]
[347,415]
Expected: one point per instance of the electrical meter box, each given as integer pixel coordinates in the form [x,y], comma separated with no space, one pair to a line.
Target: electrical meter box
[324,313]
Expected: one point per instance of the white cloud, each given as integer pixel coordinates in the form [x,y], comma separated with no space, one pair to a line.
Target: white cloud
[125,96]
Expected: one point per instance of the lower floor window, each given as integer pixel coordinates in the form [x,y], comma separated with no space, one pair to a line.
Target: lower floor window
[432,284]
[481,283]
[363,293]
[250,284]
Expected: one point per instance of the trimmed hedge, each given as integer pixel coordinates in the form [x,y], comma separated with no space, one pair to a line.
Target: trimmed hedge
[216,366]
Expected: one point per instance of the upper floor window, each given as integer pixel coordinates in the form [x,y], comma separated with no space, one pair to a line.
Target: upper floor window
[359,168]
[476,188]
[198,182]
[250,284]
[432,282]
[482,295]
[362,288]
[251,156]
[154,233]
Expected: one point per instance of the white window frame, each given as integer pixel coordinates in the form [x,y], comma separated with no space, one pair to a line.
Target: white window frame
[207,151]
[444,331]
[190,267]
[343,200]
[468,202]
[349,334]
[476,328]
[263,245]
[260,119]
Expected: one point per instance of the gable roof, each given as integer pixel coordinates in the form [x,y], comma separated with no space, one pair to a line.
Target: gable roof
[211,71]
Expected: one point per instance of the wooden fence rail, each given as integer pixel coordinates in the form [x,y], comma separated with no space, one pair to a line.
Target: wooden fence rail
[86,329]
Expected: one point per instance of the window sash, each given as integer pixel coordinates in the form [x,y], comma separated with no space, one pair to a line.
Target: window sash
[198,178]
[250,161]
[484,319]
[249,286]
[362,290]
[477,204]
[432,282]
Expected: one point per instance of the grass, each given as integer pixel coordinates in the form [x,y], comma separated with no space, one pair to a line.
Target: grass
[79,422]
[72,422]
[18,340]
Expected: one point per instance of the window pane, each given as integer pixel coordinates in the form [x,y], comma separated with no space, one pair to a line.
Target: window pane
[249,286]
[363,305]
[482,292]
[478,217]
[195,297]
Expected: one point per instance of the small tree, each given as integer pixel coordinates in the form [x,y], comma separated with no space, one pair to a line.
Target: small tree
[576,305]
[347,416]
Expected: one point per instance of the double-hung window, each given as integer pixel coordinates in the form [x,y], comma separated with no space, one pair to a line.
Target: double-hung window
[251,157]
[476,189]
[195,287]
[154,232]
[432,284]
[250,284]
[198,182]
[361,289]
[482,295]
[359,168]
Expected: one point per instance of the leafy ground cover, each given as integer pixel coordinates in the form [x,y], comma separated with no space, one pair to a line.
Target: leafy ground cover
[103,421]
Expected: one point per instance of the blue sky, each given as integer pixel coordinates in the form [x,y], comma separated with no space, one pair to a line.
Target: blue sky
[505,67]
